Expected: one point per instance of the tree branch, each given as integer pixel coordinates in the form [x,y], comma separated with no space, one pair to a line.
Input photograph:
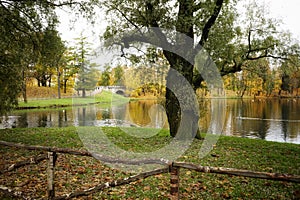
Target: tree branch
[197,7]
[211,21]
[127,19]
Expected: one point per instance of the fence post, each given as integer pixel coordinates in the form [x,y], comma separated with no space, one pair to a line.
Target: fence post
[52,156]
[174,181]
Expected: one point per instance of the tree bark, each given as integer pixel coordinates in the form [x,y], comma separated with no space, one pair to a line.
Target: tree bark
[65,85]
[49,81]
[24,91]
[181,102]
[83,93]
[58,83]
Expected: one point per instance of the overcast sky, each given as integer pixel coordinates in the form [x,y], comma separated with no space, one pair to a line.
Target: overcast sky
[286,10]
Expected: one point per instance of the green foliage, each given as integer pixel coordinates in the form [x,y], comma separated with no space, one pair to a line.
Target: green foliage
[9,87]
[88,75]
[51,51]
[16,52]
[118,76]
[23,24]
[105,77]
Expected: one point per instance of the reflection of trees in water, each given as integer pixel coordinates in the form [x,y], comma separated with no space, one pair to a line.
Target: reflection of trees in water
[138,112]
[86,116]
[144,113]
[290,111]
[119,112]
[267,113]
[212,115]
[205,114]
[148,113]
[106,114]
[62,118]
[22,120]
[248,109]
[42,120]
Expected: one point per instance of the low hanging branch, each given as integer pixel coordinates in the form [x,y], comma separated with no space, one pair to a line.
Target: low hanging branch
[239,172]
[114,184]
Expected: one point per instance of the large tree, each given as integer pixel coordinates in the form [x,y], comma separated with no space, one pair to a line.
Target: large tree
[182,28]
[178,48]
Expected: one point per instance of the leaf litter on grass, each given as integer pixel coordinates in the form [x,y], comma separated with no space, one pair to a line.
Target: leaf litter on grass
[75,173]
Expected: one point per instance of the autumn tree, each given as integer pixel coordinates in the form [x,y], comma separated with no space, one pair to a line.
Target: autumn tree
[21,23]
[185,27]
[51,59]
[118,76]
[105,76]
[69,68]
[290,74]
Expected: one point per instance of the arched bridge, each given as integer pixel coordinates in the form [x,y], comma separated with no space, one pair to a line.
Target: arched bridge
[114,89]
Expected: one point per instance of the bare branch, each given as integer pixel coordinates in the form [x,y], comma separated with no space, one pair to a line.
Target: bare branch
[127,19]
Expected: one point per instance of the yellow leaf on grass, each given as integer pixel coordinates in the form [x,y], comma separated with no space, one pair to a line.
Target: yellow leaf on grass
[147,188]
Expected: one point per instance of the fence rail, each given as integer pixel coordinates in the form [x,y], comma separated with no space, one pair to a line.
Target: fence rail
[167,167]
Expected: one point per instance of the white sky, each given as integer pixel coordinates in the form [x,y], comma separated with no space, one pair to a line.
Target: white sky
[286,10]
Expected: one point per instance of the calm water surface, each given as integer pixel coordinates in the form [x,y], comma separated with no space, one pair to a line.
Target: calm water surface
[268,119]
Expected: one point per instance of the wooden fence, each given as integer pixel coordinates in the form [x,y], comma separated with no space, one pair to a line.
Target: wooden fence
[167,167]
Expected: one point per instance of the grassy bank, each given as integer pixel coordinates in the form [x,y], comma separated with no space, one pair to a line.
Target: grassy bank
[104,97]
[77,173]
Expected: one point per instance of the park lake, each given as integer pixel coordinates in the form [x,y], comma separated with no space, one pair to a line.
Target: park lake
[267,119]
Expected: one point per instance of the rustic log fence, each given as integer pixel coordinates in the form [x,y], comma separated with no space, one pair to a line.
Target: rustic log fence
[169,167]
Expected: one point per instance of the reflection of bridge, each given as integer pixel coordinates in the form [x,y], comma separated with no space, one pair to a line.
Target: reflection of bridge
[114,89]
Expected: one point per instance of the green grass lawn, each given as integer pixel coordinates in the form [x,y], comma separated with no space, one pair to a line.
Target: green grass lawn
[78,173]
[104,97]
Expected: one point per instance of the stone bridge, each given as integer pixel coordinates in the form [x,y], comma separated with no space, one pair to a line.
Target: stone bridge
[114,89]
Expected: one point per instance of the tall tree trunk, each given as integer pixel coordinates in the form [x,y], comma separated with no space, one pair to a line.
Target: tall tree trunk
[24,91]
[43,81]
[83,93]
[65,85]
[58,83]
[49,81]
[181,102]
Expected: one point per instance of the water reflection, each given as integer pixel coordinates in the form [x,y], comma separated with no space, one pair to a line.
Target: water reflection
[269,119]
[275,120]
